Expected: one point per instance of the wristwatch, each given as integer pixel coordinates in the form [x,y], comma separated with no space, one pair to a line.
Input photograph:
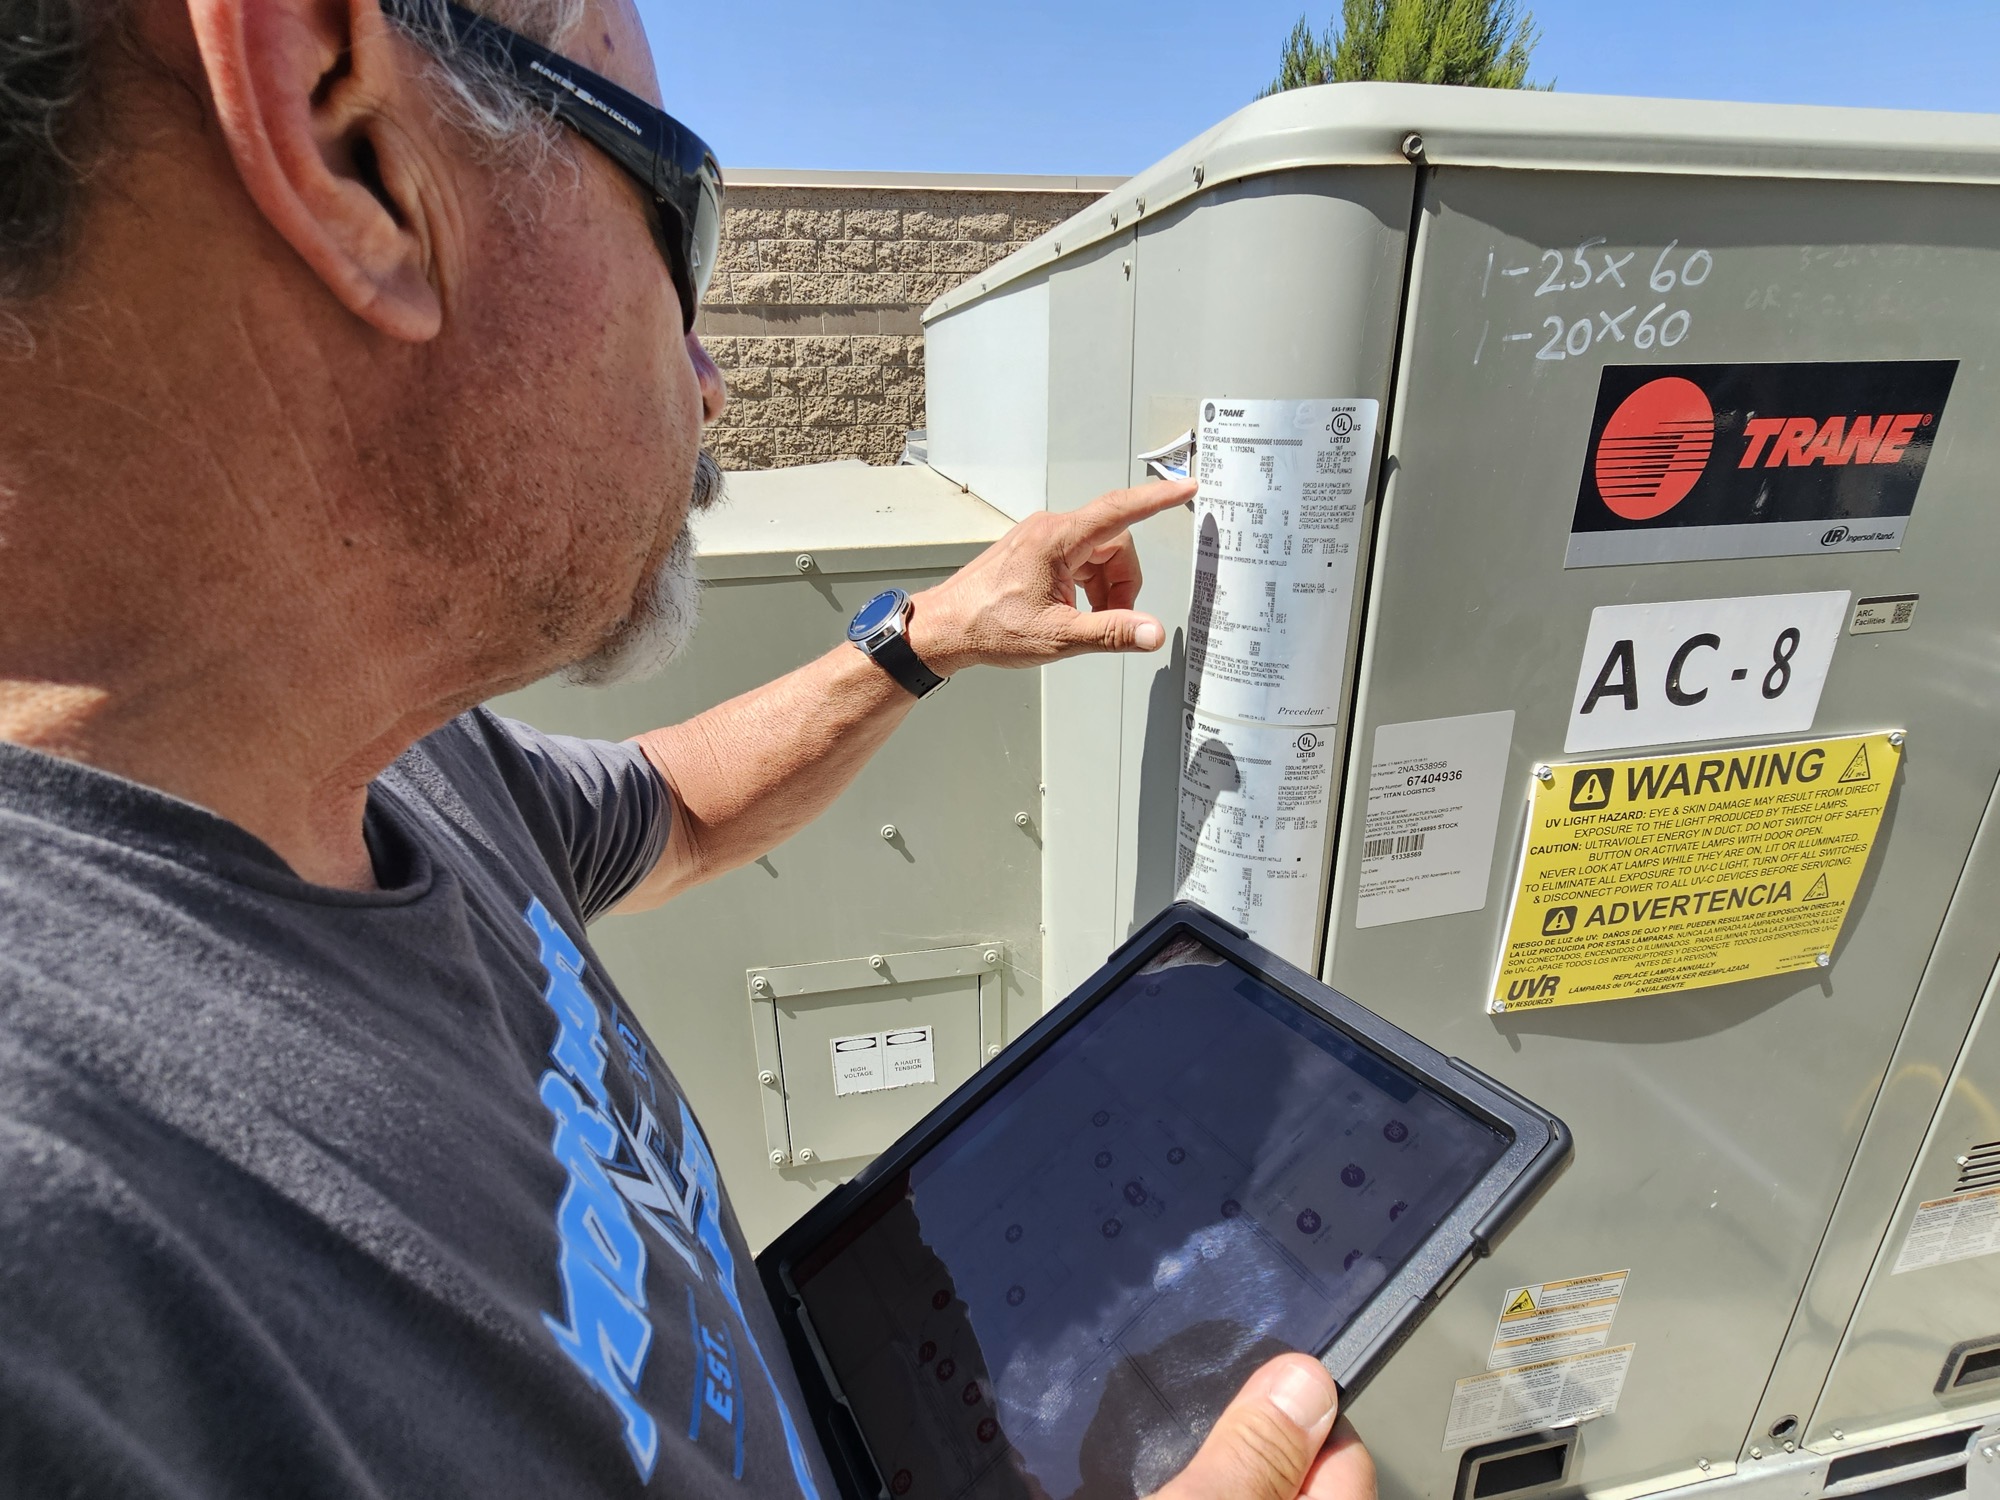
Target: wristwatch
[879,631]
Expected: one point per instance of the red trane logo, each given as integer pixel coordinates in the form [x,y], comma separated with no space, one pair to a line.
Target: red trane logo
[1654,448]
[1799,441]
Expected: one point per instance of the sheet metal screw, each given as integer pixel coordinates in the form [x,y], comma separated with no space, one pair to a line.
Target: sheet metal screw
[1839,1436]
[1114,218]
[877,962]
[1896,738]
[889,834]
[803,562]
[1139,207]
[1823,959]
[1791,1447]
[991,955]
[1413,146]
[1754,1452]
[760,984]
[1128,270]
[766,1077]
[1200,172]
[994,1051]
[1022,820]
[805,1153]
[777,1158]
[1544,775]
[1498,1007]
[1701,1464]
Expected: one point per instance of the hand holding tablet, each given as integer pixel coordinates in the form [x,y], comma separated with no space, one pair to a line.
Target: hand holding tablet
[1278,1440]
[1059,1281]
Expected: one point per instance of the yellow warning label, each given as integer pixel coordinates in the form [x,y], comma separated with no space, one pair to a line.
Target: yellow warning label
[1521,1304]
[1644,877]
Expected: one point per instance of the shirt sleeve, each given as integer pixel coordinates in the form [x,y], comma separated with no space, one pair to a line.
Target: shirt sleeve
[610,810]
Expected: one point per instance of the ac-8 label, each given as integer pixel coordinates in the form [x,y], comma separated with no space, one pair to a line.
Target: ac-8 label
[1703,669]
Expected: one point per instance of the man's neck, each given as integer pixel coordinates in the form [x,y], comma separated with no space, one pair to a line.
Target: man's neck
[169,583]
[299,786]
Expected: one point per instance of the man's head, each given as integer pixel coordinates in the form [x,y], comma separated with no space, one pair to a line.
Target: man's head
[325,337]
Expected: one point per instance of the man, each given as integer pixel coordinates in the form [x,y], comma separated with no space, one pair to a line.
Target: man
[344,387]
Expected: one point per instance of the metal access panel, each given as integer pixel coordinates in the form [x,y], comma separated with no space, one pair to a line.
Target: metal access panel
[785,563]
[1715,1127]
[1734,1141]
[1924,1346]
[853,1052]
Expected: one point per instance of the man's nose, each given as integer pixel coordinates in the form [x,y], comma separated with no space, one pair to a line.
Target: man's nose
[714,391]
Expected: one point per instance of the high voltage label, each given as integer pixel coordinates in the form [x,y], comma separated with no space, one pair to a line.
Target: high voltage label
[1645,877]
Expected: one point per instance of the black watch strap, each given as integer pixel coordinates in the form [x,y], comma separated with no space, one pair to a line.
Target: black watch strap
[899,659]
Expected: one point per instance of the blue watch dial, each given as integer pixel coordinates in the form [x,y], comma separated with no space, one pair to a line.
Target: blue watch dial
[876,613]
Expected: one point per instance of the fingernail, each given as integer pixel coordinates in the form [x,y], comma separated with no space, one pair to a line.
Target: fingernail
[1306,1396]
[1148,636]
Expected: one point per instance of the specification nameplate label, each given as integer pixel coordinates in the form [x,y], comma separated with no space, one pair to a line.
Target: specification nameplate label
[1646,877]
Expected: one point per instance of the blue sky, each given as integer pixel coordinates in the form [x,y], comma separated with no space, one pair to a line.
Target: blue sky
[1107,86]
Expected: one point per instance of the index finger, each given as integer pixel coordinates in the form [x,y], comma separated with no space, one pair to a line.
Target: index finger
[1089,525]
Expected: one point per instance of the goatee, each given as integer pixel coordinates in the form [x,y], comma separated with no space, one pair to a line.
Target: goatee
[665,615]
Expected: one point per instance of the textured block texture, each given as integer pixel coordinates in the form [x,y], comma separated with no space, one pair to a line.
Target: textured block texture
[814,312]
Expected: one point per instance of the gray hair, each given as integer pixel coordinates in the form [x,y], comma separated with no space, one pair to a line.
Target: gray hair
[53,130]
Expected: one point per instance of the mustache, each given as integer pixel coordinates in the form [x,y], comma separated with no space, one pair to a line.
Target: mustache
[707,488]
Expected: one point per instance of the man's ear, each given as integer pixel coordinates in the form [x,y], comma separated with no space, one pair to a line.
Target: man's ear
[326,119]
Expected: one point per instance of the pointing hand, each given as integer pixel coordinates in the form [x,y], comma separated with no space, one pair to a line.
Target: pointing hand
[1015,604]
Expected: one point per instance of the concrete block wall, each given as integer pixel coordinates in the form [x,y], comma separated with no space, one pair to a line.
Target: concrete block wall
[814,314]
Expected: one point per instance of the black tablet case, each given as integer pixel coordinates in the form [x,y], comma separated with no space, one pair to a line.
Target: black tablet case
[1540,1144]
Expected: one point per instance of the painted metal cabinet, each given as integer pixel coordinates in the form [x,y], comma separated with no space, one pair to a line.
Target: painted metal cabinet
[1477,262]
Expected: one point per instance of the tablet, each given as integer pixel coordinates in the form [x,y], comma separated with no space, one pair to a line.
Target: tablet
[1051,1286]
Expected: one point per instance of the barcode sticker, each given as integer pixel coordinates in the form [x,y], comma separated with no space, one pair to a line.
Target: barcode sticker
[1433,808]
[1882,612]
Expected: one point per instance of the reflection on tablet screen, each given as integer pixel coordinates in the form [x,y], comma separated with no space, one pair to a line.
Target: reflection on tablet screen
[1058,1299]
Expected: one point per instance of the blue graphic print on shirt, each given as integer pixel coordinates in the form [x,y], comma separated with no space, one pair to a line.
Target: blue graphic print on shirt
[620,1167]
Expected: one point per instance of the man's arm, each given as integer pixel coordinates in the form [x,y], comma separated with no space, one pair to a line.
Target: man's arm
[749,773]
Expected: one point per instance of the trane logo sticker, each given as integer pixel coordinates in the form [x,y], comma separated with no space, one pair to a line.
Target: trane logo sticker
[1694,462]
[1801,441]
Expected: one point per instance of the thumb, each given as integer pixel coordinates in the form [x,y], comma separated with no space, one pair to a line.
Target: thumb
[1266,1440]
[1114,630]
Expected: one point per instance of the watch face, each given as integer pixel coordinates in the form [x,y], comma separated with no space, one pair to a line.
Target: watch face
[876,613]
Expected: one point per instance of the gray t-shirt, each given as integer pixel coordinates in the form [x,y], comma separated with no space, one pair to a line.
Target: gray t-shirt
[312,1193]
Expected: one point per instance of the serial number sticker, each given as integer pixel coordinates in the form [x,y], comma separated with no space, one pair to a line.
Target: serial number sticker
[1648,877]
[1434,793]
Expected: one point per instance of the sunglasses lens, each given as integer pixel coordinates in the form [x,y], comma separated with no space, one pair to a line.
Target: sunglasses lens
[705,240]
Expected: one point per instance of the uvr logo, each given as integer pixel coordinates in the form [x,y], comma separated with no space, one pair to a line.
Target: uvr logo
[1541,987]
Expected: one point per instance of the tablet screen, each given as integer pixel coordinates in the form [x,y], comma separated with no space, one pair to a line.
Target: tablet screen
[1058,1298]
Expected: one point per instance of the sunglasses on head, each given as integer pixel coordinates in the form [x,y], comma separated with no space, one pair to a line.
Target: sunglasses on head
[662,155]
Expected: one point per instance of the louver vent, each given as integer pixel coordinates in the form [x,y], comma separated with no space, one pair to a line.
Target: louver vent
[1979,1167]
[1925,1468]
